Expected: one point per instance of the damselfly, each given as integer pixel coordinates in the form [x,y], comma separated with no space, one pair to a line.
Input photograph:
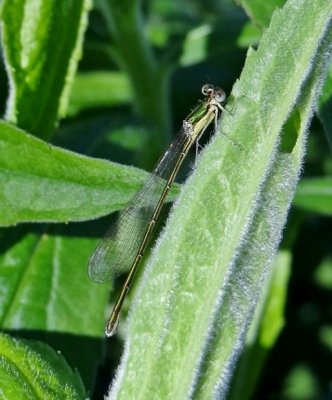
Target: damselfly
[123,245]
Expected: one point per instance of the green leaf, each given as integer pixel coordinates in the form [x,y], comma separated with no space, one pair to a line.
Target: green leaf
[99,89]
[195,304]
[268,322]
[323,273]
[249,36]
[195,46]
[315,195]
[42,43]
[325,106]
[45,292]
[39,275]
[32,370]
[301,383]
[148,78]
[45,183]
[260,11]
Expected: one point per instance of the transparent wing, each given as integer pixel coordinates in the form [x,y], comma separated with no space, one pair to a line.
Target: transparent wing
[117,250]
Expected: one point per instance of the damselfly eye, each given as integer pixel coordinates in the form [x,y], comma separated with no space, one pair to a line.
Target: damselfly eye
[219,95]
[207,89]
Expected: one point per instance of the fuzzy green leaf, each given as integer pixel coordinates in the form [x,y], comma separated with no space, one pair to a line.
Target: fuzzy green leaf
[42,43]
[45,183]
[265,328]
[32,370]
[196,303]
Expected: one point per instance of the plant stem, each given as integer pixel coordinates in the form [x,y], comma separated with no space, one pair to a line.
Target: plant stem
[150,82]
